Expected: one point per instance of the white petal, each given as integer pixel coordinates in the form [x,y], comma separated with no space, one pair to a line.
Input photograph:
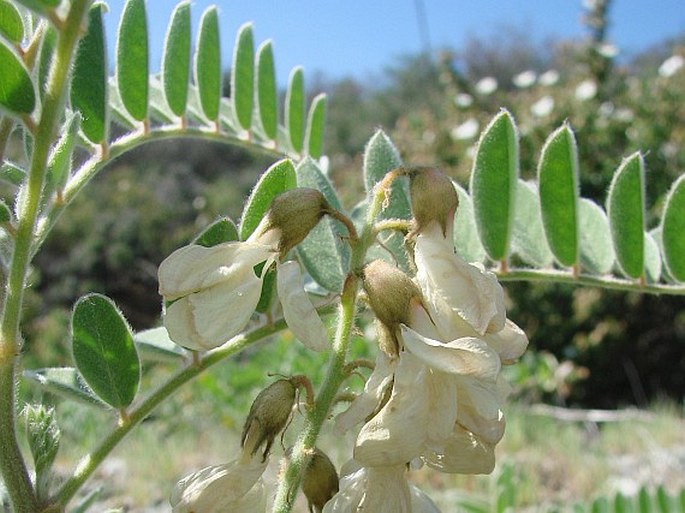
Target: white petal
[472,292]
[234,487]
[467,356]
[193,268]
[443,407]
[372,490]
[479,409]
[420,502]
[397,433]
[370,399]
[298,310]
[510,342]
[209,318]
[464,453]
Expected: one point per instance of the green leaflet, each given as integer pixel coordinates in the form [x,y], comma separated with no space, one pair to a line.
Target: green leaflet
[89,88]
[176,60]
[17,92]
[45,57]
[242,76]
[528,235]
[41,7]
[65,382]
[155,345]
[279,178]
[596,250]
[103,349]
[132,59]
[673,230]
[316,123]
[208,64]
[493,184]
[466,241]
[558,182]
[294,109]
[5,213]
[323,252]
[266,90]
[652,259]
[625,207]
[11,23]
[59,164]
[221,230]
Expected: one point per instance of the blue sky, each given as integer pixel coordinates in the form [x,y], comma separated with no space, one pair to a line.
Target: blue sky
[360,37]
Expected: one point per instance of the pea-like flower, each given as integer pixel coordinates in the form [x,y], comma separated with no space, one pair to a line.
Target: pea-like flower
[212,292]
[236,486]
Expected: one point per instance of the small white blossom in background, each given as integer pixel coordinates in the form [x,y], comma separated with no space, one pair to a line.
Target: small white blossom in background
[549,78]
[486,86]
[543,107]
[525,79]
[608,50]
[671,66]
[586,90]
[467,130]
[463,100]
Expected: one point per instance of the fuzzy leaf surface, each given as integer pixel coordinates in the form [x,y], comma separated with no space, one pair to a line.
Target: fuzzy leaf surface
[294,109]
[673,230]
[208,64]
[176,60]
[242,76]
[132,59]
[266,90]
[596,250]
[316,123]
[11,23]
[17,92]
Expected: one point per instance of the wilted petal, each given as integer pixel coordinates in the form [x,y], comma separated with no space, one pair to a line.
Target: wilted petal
[443,407]
[370,399]
[298,310]
[472,292]
[235,487]
[510,343]
[463,453]
[479,410]
[420,502]
[193,268]
[209,318]
[397,433]
[468,356]
[372,490]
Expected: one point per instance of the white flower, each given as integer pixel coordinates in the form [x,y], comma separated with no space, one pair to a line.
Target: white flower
[671,66]
[486,86]
[214,292]
[543,107]
[379,490]
[525,79]
[236,487]
[463,100]
[549,78]
[586,90]
[467,130]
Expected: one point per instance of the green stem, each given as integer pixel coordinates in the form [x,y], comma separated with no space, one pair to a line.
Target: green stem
[87,465]
[585,280]
[12,464]
[314,419]
[127,143]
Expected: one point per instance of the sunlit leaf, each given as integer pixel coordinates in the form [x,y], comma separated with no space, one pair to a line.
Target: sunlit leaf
[558,182]
[242,76]
[59,164]
[11,23]
[155,345]
[132,59]
[208,64]
[17,92]
[176,59]
[221,230]
[279,178]
[316,122]
[294,109]
[493,184]
[46,57]
[323,252]
[673,230]
[528,236]
[652,259]
[89,87]
[266,90]
[65,382]
[466,241]
[626,210]
[104,351]
[596,250]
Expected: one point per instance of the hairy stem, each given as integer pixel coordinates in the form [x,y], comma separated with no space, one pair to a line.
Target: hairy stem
[87,465]
[12,464]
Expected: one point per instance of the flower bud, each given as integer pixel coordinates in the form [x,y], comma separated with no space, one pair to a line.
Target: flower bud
[319,481]
[433,198]
[268,416]
[390,293]
[294,214]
